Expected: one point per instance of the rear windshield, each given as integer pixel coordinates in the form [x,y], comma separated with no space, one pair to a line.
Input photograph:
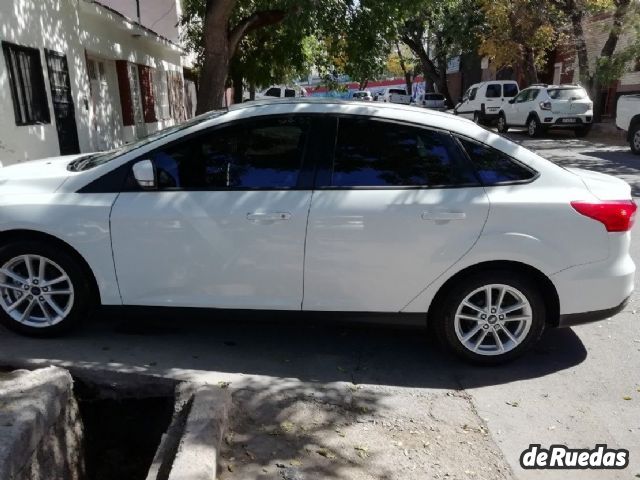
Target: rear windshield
[509,90]
[360,94]
[398,91]
[494,90]
[433,96]
[567,93]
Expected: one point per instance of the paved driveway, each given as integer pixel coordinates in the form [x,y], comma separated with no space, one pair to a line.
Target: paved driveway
[327,400]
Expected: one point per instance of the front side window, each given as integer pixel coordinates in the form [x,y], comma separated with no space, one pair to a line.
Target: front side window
[494,90]
[379,154]
[273,92]
[288,92]
[264,153]
[522,96]
[509,90]
[494,167]
[472,93]
[26,81]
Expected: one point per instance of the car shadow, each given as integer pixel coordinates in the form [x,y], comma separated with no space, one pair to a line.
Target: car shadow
[167,342]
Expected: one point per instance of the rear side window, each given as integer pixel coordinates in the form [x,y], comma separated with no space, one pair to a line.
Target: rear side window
[273,92]
[397,91]
[494,90]
[289,93]
[380,154]
[472,93]
[510,90]
[494,167]
[258,154]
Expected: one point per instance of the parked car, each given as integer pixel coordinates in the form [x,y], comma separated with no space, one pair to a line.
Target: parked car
[362,95]
[281,91]
[482,101]
[393,95]
[628,119]
[434,101]
[541,107]
[406,212]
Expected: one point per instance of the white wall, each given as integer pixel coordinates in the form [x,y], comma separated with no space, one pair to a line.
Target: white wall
[161,16]
[41,24]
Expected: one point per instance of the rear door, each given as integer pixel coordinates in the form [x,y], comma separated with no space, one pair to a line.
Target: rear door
[395,205]
[226,226]
[493,98]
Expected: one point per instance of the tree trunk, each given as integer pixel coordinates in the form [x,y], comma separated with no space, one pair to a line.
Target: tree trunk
[529,64]
[238,90]
[363,84]
[252,91]
[443,87]
[407,75]
[217,55]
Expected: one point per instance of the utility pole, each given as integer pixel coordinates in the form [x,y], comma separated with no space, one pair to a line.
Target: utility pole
[138,11]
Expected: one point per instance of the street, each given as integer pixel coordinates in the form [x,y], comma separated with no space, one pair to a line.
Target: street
[347,400]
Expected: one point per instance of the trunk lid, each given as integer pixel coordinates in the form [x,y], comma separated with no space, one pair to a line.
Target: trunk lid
[605,187]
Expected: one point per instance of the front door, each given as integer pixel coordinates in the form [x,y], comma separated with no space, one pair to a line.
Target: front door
[62,98]
[226,226]
[395,209]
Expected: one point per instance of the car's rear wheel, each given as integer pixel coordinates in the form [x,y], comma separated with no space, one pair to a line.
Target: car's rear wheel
[583,131]
[491,317]
[43,289]
[502,124]
[634,139]
[534,129]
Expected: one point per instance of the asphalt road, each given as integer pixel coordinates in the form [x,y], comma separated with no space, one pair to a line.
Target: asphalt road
[580,387]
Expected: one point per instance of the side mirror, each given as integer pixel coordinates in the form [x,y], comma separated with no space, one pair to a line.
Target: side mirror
[513,100]
[144,174]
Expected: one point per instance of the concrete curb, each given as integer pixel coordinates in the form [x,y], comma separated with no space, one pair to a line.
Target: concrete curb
[197,453]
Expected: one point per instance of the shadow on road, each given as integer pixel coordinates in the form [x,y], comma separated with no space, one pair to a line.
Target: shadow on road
[295,347]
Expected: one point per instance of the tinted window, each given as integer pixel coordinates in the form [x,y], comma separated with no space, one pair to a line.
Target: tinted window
[380,154]
[522,96]
[567,93]
[510,90]
[533,94]
[472,93]
[494,167]
[398,91]
[494,90]
[434,96]
[289,92]
[273,92]
[259,154]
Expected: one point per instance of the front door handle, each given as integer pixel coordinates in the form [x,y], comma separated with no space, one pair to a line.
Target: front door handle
[443,215]
[268,217]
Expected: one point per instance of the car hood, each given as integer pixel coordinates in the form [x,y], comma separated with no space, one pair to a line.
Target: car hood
[36,176]
[603,186]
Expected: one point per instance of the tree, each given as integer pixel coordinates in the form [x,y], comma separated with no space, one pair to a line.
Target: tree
[612,61]
[520,32]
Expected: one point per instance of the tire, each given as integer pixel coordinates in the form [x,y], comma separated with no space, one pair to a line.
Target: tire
[502,123]
[49,315]
[451,329]
[582,132]
[634,138]
[534,129]
[477,118]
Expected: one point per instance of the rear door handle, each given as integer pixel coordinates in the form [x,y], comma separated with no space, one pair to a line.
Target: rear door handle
[443,215]
[268,217]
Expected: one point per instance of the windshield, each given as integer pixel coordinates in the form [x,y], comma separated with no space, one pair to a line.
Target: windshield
[398,91]
[567,93]
[91,161]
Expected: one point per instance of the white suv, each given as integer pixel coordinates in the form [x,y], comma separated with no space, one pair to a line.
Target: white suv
[541,107]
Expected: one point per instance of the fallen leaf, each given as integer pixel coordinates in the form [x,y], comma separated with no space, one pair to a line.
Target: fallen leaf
[626,397]
[340,433]
[513,403]
[326,453]
[230,467]
[287,427]
[223,384]
[363,452]
[295,463]
[250,455]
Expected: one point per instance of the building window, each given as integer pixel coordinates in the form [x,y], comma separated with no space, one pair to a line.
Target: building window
[161,88]
[26,80]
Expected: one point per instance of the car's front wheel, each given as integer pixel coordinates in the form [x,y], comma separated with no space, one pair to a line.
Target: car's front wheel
[634,139]
[491,317]
[502,124]
[534,129]
[43,289]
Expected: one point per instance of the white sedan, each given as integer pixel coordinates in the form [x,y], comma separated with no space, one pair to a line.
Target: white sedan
[320,206]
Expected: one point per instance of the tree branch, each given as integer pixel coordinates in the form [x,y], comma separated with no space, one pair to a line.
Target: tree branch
[253,22]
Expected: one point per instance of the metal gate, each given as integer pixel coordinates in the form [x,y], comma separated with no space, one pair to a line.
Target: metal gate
[63,109]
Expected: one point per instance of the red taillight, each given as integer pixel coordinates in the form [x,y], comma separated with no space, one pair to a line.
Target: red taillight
[616,215]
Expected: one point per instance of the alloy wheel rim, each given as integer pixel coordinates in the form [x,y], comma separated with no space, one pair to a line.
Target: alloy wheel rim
[35,291]
[636,140]
[501,123]
[493,319]
[532,127]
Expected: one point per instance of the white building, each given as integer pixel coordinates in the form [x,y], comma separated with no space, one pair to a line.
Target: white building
[80,76]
